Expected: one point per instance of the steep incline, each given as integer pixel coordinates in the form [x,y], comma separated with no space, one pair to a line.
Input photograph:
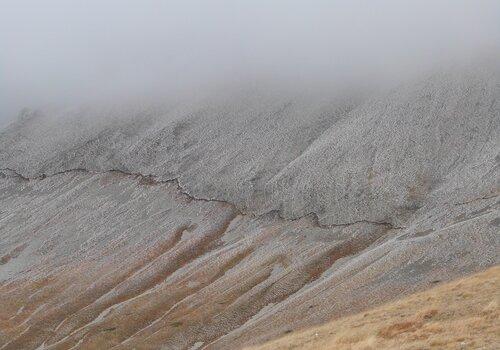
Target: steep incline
[380,161]
[430,143]
[228,221]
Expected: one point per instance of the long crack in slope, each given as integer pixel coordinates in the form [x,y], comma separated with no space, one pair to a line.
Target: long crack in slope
[151,179]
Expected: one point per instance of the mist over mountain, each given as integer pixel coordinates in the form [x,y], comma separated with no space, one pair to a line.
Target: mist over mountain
[309,206]
[60,54]
[213,176]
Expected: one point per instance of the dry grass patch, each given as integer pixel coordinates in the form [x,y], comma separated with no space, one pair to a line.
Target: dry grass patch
[463,314]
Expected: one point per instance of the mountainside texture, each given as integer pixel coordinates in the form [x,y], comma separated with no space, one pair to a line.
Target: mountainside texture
[226,222]
[462,314]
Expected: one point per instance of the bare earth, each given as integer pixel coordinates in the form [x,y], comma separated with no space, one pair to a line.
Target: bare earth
[462,314]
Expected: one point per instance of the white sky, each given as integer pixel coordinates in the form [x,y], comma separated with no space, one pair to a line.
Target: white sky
[60,52]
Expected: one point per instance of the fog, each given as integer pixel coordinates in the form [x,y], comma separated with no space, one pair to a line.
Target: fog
[61,53]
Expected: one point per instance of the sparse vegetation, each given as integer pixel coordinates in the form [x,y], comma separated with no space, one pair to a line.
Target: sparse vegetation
[462,314]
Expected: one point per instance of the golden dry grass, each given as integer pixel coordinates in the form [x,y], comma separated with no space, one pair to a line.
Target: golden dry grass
[462,314]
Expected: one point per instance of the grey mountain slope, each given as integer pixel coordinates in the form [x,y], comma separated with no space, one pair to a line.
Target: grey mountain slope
[377,161]
[387,196]
[389,157]
[225,150]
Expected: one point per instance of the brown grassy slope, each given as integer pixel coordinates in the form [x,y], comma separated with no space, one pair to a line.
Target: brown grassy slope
[462,314]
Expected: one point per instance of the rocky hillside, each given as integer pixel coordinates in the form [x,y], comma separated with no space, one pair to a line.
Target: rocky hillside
[227,221]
